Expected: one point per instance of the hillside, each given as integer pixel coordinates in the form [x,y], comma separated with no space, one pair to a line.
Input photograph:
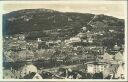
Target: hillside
[40,23]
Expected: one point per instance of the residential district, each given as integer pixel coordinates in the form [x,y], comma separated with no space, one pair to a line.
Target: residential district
[73,58]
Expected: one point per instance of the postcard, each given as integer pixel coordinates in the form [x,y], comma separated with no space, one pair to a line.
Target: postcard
[63,40]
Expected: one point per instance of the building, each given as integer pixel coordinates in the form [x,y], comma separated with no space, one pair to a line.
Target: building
[84,28]
[27,69]
[22,45]
[120,72]
[107,57]
[90,40]
[119,57]
[75,39]
[95,67]
[81,34]
[37,76]
[111,30]
[32,45]
[114,70]
[39,40]
[21,37]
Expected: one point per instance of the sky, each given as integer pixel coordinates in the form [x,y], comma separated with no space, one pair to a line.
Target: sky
[111,8]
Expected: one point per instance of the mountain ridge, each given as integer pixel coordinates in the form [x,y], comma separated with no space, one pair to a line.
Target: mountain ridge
[39,23]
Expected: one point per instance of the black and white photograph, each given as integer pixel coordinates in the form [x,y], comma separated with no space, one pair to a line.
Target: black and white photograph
[64,40]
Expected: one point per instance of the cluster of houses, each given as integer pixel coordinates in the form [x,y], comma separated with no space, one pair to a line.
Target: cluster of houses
[18,42]
[88,37]
[110,65]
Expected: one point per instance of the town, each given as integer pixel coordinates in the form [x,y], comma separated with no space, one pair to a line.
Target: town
[28,58]
[88,48]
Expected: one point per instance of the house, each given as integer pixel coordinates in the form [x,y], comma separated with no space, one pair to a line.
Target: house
[21,37]
[37,76]
[88,33]
[22,45]
[84,28]
[90,40]
[75,39]
[120,72]
[39,40]
[111,30]
[110,69]
[95,67]
[115,70]
[84,41]
[107,57]
[49,43]
[81,34]
[118,57]
[32,45]
[27,69]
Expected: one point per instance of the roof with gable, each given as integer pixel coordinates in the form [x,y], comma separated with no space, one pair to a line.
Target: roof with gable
[119,56]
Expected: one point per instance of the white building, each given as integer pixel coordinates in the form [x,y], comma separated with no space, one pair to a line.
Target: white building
[95,68]
[38,39]
[90,40]
[119,57]
[27,69]
[111,30]
[21,37]
[75,39]
[37,76]
[116,70]
[84,28]
[80,34]
[107,57]
[120,72]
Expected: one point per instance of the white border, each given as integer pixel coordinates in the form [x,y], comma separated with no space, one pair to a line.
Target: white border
[1,41]
[57,2]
